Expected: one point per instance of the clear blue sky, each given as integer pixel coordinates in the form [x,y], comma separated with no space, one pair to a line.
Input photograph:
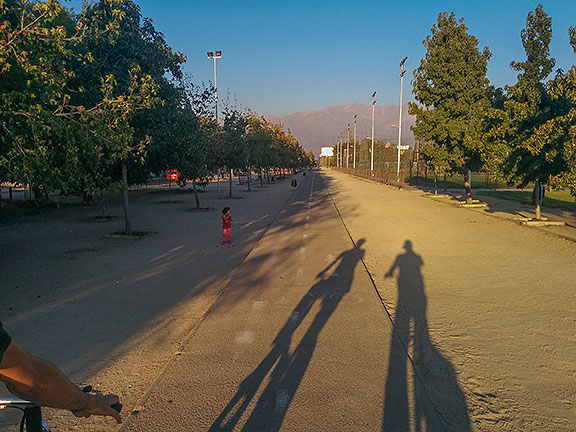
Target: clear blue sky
[285,56]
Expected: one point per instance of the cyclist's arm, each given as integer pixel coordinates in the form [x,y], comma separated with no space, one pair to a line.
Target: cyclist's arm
[40,382]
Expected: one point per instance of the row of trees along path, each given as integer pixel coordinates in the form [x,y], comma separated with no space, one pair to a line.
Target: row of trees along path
[524,133]
[97,101]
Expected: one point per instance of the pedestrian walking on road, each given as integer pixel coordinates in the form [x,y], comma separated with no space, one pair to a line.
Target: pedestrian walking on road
[226,224]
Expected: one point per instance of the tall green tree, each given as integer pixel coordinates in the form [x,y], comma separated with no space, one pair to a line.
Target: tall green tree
[134,45]
[530,106]
[183,139]
[232,141]
[41,133]
[452,90]
[36,45]
[555,140]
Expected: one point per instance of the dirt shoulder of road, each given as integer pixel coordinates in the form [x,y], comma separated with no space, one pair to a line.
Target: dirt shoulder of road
[486,305]
[513,211]
[111,312]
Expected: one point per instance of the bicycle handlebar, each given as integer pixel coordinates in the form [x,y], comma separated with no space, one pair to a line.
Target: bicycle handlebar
[15,402]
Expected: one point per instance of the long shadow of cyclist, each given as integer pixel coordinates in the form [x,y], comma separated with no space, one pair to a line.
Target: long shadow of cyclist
[436,384]
[285,366]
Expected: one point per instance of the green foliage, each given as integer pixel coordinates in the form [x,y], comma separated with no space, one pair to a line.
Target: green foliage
[524,158]
[554,142]
[452,90]
[83,95]
[36,42]
[39,49]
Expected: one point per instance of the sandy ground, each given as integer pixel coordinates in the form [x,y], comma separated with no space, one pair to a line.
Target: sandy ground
[111,312]
[492,319]
[497,309]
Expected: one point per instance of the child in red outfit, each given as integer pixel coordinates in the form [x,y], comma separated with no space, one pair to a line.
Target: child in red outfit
[226,224]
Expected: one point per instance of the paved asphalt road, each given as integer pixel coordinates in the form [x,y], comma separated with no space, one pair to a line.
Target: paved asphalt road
[299,341]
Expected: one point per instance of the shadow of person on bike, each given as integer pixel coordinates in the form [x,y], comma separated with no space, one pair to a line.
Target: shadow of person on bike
[284,365]
[438,402]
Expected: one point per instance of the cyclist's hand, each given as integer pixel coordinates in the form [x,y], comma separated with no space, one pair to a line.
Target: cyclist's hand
[99,404]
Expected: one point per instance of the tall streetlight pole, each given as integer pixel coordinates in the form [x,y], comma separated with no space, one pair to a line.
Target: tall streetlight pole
[372,151]
[347,145]
[338,164]
[402,71]
[354,163]
[341,149]
[213,56]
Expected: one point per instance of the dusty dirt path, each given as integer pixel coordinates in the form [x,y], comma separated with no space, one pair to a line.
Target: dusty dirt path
[298,341]
[111,313]
[497,311]
[493,319]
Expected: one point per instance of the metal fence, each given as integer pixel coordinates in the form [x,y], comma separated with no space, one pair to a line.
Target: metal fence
[381,176]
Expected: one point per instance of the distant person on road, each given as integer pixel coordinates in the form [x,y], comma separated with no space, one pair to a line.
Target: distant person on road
[40,382]
[226,225]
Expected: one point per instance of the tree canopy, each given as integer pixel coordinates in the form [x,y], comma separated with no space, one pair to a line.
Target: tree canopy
[85,94]
[452,90]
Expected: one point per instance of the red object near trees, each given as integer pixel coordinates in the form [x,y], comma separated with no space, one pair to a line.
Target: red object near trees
[172,175]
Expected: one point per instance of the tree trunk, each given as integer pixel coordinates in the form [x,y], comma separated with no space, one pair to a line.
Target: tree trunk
[537,193]
[102,203]
[468,188]
[248,177]
[195,193]
[230,184]
[445,188]
[127,217]
[435,182]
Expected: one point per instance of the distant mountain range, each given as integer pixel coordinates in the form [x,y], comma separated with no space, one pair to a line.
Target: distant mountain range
[316,129]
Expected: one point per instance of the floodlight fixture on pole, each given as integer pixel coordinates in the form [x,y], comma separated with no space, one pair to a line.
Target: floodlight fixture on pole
[402,71]
[214,56]
[354,162]
[372,151]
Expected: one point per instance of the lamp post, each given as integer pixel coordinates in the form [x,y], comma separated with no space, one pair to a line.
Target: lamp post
[354,162]
[213,56]
[347,145]
[402,71]
[338,153]
[372,150]
[341,149]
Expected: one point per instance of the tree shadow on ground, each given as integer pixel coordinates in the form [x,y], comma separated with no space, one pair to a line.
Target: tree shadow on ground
[437,402]
[285,367]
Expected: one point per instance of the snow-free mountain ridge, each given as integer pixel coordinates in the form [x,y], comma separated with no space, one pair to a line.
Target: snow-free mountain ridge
[320,128]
